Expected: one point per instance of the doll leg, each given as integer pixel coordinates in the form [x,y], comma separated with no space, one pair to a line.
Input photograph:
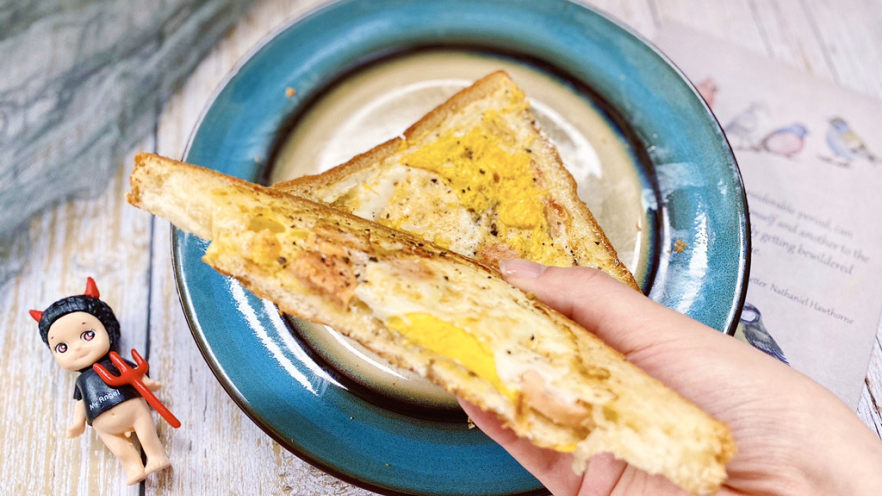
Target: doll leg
[146,432]
[115,427]
[125,452]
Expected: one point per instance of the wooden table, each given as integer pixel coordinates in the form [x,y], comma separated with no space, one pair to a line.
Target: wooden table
[219,450]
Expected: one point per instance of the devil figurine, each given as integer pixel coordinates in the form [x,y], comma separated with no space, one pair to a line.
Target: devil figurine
[82,331]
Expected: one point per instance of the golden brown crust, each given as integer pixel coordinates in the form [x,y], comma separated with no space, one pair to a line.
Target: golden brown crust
[339,172]
[620,271]
[384,150]
[600,402]
[587,234]
[334,225]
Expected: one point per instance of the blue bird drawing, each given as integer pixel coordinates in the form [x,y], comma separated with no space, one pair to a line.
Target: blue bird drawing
[786,141]
[741,129]
[846,145]
[752,330]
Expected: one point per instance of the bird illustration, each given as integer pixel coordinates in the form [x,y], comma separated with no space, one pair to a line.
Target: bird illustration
[786,141]
[708,89]
[740,130]
[751,329]
[846,145]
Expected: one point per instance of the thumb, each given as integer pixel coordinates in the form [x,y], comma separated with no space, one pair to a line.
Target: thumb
[685,354]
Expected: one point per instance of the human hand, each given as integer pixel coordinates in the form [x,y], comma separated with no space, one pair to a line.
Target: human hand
[793,436]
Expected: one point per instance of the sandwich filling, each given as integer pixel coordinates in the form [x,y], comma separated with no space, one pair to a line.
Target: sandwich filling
[449,340]
[458,330]
[451,320]
[474,189]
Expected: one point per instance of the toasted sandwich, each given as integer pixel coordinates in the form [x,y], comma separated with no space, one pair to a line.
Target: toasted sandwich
[475,176]
[443,315]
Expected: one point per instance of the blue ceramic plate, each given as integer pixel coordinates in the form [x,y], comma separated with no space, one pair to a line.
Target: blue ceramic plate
[694,204]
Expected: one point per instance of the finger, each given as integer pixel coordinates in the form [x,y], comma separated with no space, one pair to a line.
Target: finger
[613,311]
[553,469]
[602,475]
[693,359]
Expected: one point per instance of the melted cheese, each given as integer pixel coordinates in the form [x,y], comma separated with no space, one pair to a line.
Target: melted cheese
[488,173]
[446,322]
[484,175]
[450,341]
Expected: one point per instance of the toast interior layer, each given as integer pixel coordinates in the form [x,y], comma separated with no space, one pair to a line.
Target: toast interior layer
[442,315]
[476,176]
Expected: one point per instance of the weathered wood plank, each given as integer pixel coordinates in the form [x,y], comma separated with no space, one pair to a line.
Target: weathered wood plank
[850,38]
[82,82]
[733,21]
[850,35]
[636,14]
[100,237]
[836,41]
[788,33]
[218,449]
[275,470]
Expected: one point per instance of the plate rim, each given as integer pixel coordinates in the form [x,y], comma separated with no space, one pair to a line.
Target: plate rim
[187,304]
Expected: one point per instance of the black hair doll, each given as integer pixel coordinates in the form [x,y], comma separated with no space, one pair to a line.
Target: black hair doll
[80,331]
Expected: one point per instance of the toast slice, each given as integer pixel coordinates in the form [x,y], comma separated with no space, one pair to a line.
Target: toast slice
[443,315]
[476,176]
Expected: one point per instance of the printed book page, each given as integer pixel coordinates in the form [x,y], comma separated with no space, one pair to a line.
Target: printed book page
[810,153]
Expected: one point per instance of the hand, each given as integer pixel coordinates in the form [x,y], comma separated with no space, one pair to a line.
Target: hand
[78,425]
[792,435]
[76,429]
[151,384]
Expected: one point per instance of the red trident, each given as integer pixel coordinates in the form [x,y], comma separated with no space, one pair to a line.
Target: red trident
[132,377]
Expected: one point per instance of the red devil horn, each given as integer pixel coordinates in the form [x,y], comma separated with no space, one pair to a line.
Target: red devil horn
[36,314]
[91,288]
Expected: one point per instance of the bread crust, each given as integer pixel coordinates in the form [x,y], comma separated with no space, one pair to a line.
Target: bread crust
[583,232]
[480,89]
[562,388]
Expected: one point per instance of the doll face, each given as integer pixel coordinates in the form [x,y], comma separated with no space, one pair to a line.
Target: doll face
[78,340]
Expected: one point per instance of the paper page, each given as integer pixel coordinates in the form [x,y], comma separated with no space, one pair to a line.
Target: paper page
[810,154]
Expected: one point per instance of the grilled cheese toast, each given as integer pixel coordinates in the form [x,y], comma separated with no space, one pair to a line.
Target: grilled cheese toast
[454,321]
[476,176]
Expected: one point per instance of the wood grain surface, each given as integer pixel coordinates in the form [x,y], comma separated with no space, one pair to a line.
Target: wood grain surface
[82,82]
[219,450]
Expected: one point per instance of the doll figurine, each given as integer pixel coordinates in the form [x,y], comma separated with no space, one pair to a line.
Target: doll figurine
[81,331]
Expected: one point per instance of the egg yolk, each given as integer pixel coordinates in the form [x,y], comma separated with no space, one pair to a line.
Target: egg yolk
[451,341]
[485,176]
[488,172]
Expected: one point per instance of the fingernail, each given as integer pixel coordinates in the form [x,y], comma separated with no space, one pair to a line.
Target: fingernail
[522,269]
